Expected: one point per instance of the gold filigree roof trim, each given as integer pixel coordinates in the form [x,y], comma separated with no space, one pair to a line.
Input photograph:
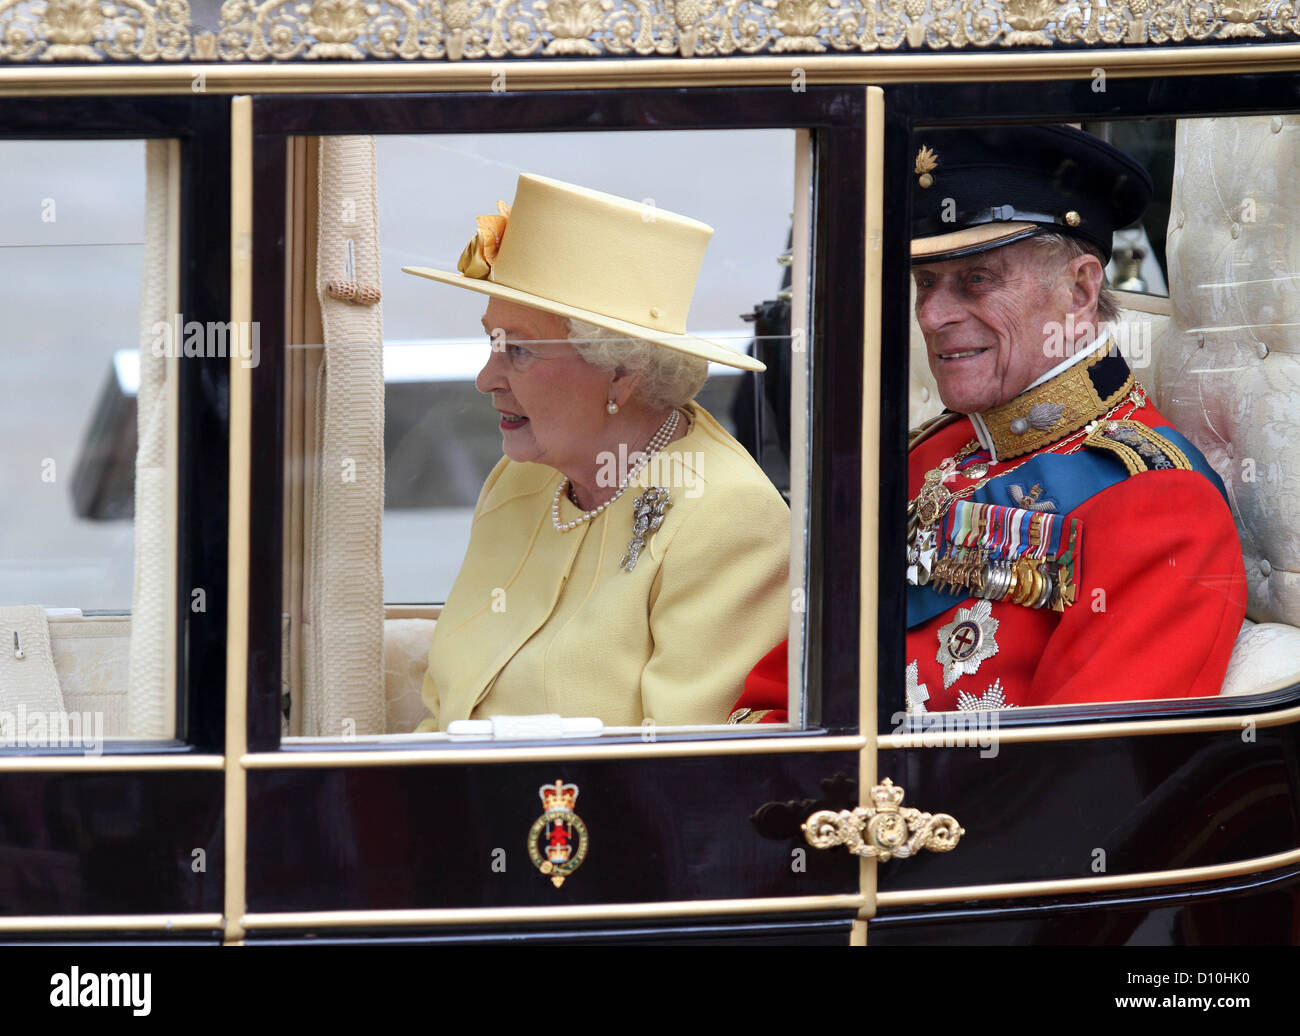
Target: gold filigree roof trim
[95,30]
[454,30]
[458,29]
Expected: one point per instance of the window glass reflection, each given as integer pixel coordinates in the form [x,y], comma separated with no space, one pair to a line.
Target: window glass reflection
[88,273]
[523,393]
[1078,509]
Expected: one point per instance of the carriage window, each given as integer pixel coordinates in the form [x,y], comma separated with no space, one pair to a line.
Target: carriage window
[87,467]
[1094,516]
[1139,264]
[577,520]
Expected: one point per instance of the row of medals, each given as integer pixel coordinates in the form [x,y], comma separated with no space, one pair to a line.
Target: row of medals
[1031,582]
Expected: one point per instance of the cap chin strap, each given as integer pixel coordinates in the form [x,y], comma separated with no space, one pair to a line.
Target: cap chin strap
[993,214]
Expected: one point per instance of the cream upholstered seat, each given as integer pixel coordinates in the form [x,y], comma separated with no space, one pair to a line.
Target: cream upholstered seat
[1228,372]
[406,657]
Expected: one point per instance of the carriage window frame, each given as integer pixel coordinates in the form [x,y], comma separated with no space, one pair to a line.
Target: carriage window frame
[919,106]
[835,118]
[201,128]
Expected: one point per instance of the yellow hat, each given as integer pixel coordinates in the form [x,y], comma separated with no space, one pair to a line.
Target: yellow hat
[619,264]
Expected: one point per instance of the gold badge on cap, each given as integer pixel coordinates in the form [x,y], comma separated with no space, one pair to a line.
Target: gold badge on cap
[967,641]
[926,162]
[557,841]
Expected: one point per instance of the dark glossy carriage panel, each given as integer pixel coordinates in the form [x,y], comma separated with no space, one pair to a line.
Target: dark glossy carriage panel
[1258,910]
[421,837]
[814,929]
[111,843]
[126,936]
[1082,809]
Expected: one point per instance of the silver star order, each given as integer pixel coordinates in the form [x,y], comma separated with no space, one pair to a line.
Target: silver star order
[990,701]
[917,693]
[921,557]
[974,628]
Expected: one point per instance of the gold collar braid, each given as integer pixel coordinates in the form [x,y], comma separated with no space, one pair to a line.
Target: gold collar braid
[1059,407]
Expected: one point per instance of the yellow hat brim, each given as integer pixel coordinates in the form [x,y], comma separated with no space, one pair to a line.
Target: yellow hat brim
[681,343]
[688,343]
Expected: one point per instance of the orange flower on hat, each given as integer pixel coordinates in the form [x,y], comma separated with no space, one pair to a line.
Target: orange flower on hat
[481,252]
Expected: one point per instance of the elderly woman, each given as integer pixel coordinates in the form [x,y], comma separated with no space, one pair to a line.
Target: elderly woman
[628,560]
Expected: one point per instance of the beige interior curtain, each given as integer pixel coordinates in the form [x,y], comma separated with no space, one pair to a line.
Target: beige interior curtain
[343,593]
[151,698]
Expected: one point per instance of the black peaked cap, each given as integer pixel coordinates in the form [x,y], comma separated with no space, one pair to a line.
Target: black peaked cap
[977,189]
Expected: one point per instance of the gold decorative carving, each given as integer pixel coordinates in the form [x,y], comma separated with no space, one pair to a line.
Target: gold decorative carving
[884,829]
[571,22]
[1027,19]
[799,22]
[92,30]
[72,26]
[455,30]
[1239,17]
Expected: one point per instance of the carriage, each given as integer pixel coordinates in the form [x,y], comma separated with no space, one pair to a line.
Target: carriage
[243,455]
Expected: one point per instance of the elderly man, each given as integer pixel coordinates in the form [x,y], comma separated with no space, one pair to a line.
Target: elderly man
[1064,543]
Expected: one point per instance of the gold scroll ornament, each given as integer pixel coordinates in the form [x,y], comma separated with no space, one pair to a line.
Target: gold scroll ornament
[885,829]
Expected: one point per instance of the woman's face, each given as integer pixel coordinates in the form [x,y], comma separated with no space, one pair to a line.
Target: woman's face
[551,400]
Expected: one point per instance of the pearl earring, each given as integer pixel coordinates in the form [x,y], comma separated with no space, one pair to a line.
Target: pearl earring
[611,407]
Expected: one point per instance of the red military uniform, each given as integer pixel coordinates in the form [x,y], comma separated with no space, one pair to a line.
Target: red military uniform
[1065,545]
[1139,589]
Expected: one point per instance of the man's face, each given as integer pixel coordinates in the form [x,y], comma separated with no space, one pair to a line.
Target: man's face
[983,319]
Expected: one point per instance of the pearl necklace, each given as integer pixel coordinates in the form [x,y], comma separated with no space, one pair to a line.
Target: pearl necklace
[657,443]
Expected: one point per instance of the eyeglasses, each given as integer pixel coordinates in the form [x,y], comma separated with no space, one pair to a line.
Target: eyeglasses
[521,355]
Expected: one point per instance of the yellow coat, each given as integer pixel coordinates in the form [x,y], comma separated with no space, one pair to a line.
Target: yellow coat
[541,621]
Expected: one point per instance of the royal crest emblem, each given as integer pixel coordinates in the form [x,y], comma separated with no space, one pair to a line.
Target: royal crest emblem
[557,841]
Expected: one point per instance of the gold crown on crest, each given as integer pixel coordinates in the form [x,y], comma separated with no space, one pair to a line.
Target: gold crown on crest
[558,796]
[887,796]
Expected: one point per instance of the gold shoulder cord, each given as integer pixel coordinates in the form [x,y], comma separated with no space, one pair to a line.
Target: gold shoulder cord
[1139,447]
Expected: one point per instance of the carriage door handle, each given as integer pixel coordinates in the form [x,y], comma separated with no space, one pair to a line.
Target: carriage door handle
[884,829]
